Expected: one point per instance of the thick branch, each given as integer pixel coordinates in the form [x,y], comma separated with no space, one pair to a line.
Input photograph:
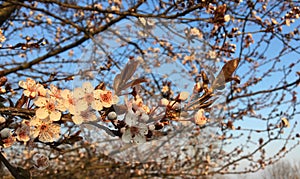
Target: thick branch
[6,10]
[11,169]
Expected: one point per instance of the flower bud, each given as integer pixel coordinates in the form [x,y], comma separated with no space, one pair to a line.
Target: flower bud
[5,133]
[112,115]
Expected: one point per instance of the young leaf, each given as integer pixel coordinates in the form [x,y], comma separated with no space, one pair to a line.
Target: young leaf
[117,82]
[120,81]
[134,82]
[225,74]
[128,71]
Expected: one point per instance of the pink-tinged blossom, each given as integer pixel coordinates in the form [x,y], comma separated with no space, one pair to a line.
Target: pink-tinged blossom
[139,106]
[68,101]
[40,161]
[23,132]
[84,116]
[44,129]
[47,108]
[135,131]
[84,98]
[55,92]
[32,89]
[106,97]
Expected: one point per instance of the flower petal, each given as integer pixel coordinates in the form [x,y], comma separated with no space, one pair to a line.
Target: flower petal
[41,101]
[34,133]
[126,137]
[87,87]
[81,105]
[78,93]
[23,84]
[45,137]
[97,105]
[139,139]
[97,93]
[130,118]
[55,116]
[77,119]
[42,113]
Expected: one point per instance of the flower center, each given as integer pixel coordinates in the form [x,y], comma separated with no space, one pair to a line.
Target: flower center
[134,130]
[89,98]
[44,127]
[50,106]
[85,114]
[106,97]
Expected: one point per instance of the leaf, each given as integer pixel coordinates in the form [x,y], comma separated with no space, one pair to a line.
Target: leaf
[117,82]
[120,109]
[134,82]
[120,81]
[225,74]
[211,76]
[129,70]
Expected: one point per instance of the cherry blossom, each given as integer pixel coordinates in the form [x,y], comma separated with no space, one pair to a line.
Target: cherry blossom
[68,100]
[135,131]
[48,107]
[23,132]
[106,97]
[55,92]
[40,161]
[82,116]
[183,95]
[32,89]
[44,129]
[139,106]
[84,97]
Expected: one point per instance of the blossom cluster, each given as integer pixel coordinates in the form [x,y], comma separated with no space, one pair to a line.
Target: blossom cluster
[134,121]
[82,104]
[51,103]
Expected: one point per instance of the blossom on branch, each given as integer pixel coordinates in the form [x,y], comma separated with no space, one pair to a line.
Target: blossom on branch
[84,98]
[135,131]
[68,100]
[32,89]
[47,108]
[106,97]
[83,116]
[40,161]
[44,129]
[23,132]
[2,120]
